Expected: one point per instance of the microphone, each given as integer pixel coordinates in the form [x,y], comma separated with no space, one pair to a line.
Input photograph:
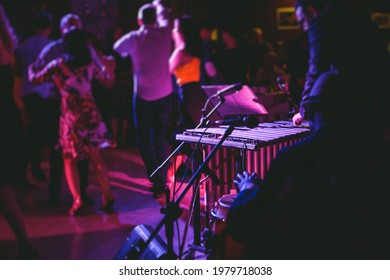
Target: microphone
[283,86]
[248,121]
[227,90]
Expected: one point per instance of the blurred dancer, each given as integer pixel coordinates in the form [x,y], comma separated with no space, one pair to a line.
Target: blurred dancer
[52,51]
[185,64]
[149,48]
[30,98]
[82,130]
[11,143]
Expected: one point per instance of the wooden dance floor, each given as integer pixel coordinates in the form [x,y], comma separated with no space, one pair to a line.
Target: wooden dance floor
[94,235]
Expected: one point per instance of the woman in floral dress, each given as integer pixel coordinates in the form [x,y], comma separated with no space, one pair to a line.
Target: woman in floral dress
[82,130]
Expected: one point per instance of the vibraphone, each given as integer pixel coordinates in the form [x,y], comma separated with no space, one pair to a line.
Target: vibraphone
[249,148]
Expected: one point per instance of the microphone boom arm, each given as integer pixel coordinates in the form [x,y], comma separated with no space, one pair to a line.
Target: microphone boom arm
[204,119]
[202,123]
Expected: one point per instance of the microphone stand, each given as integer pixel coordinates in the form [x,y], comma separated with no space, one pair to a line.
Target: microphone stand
[283,86]
[172,211]
[203,121]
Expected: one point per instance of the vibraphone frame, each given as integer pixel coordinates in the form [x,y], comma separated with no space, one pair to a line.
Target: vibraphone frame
[239,152]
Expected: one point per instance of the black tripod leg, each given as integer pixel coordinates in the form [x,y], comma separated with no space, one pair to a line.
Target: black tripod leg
[169,227]
[196,199]
[172,211]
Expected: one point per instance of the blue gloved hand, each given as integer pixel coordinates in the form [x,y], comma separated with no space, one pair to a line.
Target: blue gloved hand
[245,181]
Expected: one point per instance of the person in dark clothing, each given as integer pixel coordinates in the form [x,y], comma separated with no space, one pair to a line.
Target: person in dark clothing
[324,197]
[32,99]
[120,99]
[185,64]
[12,161]
[353,47]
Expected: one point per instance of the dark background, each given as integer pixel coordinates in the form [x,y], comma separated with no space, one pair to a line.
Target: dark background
[100,16]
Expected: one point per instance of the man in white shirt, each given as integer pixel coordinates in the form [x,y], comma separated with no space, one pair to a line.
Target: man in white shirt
[149,48]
